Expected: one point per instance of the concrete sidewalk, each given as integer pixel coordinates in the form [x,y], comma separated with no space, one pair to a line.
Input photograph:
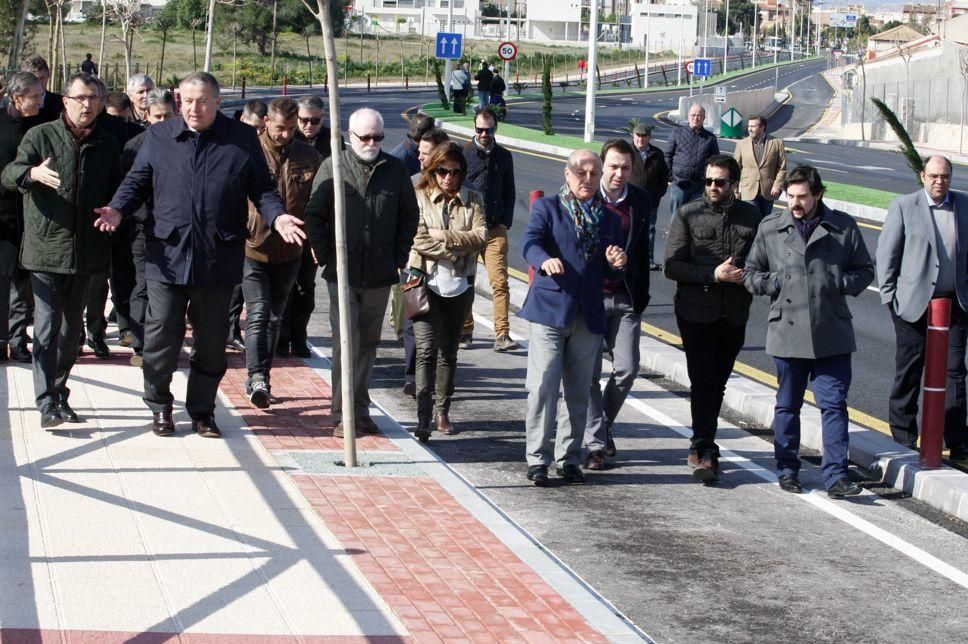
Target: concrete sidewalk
[109,531]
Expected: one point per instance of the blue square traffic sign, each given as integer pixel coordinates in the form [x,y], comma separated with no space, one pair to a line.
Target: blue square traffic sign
[702,67]
[449,45]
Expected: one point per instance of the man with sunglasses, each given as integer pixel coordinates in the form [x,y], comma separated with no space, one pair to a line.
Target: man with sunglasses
[294,328]
[708,241]
[921,255]
[490,171]
[381,221]
[808,259]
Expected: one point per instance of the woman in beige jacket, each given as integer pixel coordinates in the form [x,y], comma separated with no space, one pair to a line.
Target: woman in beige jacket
[450,234]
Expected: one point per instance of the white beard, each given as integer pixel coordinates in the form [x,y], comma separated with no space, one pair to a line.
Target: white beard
[369,154]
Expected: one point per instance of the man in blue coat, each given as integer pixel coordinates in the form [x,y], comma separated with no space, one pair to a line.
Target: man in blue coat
[199,170]
[572,241]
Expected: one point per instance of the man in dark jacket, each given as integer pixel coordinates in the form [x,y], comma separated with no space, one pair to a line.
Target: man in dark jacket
[160,107]
[293,330]
[490,171]
[198,170]
[484,76]
[571,241]
[709,239]
[52,103]
[381,221]
[649,172]
[24,91]
[625,299]
[271,264]
[408,151]
[65,168]
[686,154]
[808,259]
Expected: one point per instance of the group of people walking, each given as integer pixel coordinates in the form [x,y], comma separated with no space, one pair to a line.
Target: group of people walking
[190,215]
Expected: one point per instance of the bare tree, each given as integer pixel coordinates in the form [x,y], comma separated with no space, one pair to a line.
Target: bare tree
[17,44]
[104,31]
[163,23]
[320,10]
[129,17]
[234,28]
[195,23]
[307,33]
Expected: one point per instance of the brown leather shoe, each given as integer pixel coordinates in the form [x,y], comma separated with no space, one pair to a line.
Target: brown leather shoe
[693,459]
[708,468]
[444,426]
[162,423]
[595,460]
[205,427]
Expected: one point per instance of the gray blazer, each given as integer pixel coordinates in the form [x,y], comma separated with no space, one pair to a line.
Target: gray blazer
[808,283]
[907,260]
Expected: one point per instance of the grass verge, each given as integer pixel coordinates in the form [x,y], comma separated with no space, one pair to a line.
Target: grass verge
[859,194]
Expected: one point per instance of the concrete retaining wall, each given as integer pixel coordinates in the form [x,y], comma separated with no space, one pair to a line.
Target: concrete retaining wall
[747,103]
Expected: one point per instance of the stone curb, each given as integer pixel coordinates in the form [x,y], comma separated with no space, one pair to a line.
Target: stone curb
[945,489]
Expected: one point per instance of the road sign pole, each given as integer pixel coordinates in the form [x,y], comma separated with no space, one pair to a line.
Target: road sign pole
[448,77]
[507,63]
[645,38]
[592,66]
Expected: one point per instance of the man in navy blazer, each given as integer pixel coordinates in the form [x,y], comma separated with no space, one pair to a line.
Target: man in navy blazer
[200,171]
[922,254]
[572,241]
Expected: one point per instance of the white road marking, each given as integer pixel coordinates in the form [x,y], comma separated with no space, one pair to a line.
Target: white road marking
[816,498]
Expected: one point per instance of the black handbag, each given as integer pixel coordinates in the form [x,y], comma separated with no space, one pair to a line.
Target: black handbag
[415,300]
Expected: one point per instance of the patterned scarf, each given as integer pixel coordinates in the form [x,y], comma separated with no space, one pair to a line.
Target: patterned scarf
[586,219]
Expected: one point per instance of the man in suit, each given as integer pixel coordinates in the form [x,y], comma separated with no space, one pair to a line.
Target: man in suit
[198,170]
[53,103]
[921,255]
[625,299]
[572,241]
[762,163]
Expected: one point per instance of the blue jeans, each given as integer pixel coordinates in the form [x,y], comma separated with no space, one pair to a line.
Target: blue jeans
[681,195]
[765,206]
[485,98]
[829,379]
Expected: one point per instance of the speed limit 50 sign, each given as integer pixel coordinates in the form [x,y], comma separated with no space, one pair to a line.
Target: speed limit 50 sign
[507,51]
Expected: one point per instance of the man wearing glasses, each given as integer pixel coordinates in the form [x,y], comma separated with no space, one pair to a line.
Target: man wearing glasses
[490,171]
[65,168]
[381,221]
[921,255]
[708,241]
[293,330]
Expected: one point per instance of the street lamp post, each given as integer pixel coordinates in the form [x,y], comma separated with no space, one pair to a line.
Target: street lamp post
[648,32]
[726,38]
[507,63]
[447,65]
[592,65]
[756,13]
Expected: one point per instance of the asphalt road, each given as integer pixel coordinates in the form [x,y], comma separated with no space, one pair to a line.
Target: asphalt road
[737,562]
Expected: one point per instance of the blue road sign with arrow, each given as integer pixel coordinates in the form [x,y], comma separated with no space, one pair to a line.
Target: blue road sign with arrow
[703,67]
[449,45]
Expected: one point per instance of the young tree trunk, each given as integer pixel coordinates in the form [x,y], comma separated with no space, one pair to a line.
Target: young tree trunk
[63,47]
[275,36]
[161,65]
[17,45]
[51,38]
[128,35]
[104,31]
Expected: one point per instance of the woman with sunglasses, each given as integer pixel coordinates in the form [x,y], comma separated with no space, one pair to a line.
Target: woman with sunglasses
[450,234]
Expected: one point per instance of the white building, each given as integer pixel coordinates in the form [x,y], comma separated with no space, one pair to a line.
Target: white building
[667,25]
[77,8]
[414,16]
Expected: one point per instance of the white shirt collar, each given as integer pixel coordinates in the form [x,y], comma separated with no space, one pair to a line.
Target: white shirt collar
[625,193]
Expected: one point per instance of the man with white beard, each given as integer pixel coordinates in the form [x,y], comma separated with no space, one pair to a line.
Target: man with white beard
[381,221]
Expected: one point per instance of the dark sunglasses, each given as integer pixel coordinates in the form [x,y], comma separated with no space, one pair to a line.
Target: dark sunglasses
[366,138]
[447,172]
[720,183]
[484,130]
[313,121]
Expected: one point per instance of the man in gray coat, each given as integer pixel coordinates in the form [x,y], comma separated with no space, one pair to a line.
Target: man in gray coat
[922,254]
[807,259]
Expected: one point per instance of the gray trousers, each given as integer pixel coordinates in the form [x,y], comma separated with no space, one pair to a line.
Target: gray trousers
[58,316]
[368,307]
[208,312]
[623,328]
[556,358]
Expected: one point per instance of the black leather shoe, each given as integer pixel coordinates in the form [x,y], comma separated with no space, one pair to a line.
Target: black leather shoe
[571,474]
[789,483]
[205,426]
[4,353]
[21,355]
[236,343]
[423,431]
[538,474]
[100,348]
[49,418]
[67,414]
[958,454]
[162,423]
[301,350]
[595,460]
[843,487]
